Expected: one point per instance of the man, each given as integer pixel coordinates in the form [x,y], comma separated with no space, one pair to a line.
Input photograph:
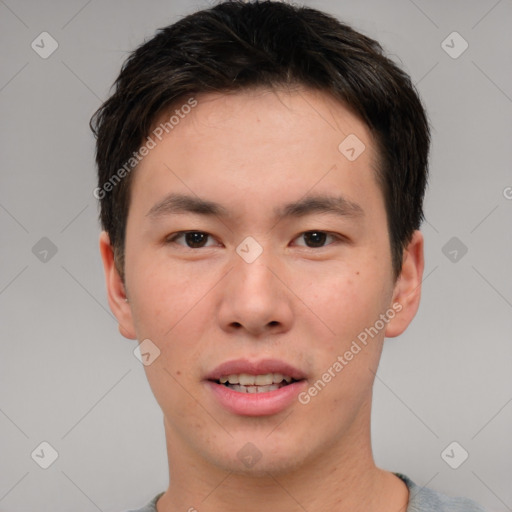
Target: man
[261,177]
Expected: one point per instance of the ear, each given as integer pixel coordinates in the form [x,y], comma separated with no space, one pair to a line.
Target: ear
[116,290]
[407,292]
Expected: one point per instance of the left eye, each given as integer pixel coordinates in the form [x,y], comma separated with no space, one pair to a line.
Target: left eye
[197,239]
[314,239]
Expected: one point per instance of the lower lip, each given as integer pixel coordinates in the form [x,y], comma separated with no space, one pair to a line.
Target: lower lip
[256,404]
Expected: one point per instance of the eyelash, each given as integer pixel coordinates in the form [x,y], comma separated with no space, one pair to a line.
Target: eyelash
[175,236]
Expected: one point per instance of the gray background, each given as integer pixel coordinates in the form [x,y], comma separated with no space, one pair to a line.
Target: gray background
[67,376]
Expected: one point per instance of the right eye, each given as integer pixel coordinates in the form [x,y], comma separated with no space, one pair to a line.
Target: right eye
[192,239]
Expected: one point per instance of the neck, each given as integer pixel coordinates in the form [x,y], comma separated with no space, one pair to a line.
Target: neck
[342,477]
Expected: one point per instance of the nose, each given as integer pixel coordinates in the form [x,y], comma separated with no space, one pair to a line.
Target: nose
[254,298]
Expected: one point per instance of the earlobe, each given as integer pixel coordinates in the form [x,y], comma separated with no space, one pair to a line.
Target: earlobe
[407,292]
[116,292]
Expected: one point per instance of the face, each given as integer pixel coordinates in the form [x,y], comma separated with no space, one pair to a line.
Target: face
[257,247]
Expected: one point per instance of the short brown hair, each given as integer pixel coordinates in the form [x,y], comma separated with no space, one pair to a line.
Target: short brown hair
[237,45]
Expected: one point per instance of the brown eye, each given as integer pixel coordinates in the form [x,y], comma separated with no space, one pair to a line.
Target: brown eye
[316,239]
[191,239]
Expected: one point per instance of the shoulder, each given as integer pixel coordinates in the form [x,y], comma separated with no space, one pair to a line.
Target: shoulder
[423,499]
[149,507]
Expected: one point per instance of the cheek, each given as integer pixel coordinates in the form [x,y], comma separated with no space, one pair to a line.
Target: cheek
[171,307]
[347,301]
[167,309]
[162,296]
[344,366]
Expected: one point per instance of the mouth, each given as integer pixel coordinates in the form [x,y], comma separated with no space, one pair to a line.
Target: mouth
[260,388]
[263,383]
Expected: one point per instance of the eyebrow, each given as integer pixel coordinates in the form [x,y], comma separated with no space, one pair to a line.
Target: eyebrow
[181,203]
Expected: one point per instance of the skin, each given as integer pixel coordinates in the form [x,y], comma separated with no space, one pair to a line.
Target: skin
[252,152]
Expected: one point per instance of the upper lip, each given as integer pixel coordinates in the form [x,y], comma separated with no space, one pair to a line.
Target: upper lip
[261,367]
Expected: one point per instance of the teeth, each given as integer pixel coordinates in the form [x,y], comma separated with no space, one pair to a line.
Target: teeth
[254,389]
[263,380]
[244,379]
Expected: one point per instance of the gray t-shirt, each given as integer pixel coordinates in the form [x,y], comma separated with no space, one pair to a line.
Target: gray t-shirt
[421,499]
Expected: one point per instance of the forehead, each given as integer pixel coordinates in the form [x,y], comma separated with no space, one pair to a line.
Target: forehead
[259,139]
[244,110]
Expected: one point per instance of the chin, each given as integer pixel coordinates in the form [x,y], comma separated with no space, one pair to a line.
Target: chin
[261,458]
